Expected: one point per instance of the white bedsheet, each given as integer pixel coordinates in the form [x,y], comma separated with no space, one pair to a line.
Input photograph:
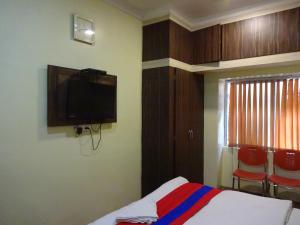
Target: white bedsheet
[142,211]
[236,208]
[135,210]
[227,208]
[295,217]
[145,203]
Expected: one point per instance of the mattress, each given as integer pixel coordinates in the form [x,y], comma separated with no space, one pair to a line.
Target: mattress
[236,208]
[227,208]
[294,217]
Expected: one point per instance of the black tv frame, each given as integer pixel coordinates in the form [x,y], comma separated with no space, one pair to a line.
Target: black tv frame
[58,79]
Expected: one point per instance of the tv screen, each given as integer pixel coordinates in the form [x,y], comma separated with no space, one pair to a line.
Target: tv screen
[92,101]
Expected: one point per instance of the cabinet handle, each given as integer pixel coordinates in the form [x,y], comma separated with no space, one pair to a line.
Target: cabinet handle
[192,134]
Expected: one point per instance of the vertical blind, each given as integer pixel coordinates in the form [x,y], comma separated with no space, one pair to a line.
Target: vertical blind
[264,113]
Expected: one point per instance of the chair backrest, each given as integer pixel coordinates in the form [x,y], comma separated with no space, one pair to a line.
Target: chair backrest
[287,159]
[252,155]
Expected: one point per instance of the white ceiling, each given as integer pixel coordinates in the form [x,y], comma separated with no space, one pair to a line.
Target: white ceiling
[195,12]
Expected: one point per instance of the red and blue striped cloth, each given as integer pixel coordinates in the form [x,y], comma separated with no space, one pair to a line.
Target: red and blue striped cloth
[181,204]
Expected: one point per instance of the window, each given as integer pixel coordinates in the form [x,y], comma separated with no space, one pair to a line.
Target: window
[263,112]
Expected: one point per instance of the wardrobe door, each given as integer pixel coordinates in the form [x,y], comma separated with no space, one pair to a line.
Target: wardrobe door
[189,126]
[196,115]
[182,124]
[157,128]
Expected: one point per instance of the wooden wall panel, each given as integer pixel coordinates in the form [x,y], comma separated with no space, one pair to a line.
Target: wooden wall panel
[265,35]
[207,45]
[157,127]
[181,43]
[156,41]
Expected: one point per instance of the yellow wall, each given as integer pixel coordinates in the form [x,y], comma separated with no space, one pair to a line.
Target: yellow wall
[212,149]
[47,176]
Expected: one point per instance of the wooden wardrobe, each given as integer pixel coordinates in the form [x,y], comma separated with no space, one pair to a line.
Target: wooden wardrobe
[172,126]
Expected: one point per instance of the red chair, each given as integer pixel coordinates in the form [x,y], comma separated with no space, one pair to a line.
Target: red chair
[252,156]
[287,160]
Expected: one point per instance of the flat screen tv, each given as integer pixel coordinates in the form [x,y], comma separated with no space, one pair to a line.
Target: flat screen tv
[92,97]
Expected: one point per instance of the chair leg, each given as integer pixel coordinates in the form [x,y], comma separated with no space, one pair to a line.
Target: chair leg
[239,184]
[275,190]
[267,188]
[233,181]
[263,188]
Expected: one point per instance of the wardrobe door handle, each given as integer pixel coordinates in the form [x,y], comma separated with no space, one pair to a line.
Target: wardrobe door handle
[190,134]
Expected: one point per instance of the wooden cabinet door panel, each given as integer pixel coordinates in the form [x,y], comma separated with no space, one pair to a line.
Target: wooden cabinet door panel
[181,43]
[207,45]
[196,106]
[189,126]
[156,41]
[157,128]
[271,34]
[182,124]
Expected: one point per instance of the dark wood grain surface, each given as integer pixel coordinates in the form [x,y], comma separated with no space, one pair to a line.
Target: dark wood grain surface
[196,116]
[264,35]
[182,124]
[172,105]
[168,39]
[189,125]
[181,43]
[57,84]
[157,127]
[207,45]
[156,41]
[270,34]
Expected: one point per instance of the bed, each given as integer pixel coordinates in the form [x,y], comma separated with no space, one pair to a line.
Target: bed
[226,208]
